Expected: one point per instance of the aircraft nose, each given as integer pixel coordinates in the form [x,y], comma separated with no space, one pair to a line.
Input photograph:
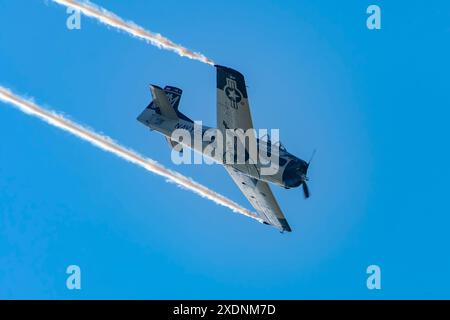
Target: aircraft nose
[295,173]
[303,167]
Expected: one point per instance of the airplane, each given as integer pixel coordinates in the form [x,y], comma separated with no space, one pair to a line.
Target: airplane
[233,112]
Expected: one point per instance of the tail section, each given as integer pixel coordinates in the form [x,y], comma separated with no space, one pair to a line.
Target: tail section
[173,97]
[165,103]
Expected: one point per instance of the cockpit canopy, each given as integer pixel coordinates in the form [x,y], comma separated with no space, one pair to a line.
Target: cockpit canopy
[267,139]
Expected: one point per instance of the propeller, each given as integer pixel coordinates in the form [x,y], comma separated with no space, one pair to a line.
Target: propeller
[305,189]
[310,159]
[305,178]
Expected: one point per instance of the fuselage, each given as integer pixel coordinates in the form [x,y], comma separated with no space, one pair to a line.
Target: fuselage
[290,172]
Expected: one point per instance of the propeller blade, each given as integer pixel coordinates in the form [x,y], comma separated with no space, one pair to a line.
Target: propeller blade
[305,190]
[312,156]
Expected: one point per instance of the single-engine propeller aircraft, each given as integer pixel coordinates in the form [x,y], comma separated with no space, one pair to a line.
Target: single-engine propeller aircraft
[233,112]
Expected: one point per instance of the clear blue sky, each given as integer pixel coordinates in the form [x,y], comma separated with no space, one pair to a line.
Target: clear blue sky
[375,104]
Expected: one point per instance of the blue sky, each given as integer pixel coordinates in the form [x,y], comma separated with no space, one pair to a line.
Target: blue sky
[373,103]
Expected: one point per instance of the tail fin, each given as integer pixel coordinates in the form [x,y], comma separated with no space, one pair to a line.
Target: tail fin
[173,95]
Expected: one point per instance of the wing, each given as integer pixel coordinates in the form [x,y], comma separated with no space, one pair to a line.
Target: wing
[262,199]
[233,110]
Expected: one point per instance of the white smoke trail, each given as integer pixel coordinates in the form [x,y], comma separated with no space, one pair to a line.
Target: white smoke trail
[107,144]
[109,18]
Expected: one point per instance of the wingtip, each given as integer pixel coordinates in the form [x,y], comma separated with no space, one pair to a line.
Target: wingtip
[229,70]
[155,86]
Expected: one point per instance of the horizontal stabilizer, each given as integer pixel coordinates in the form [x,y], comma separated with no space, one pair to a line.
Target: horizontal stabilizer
[161,102]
